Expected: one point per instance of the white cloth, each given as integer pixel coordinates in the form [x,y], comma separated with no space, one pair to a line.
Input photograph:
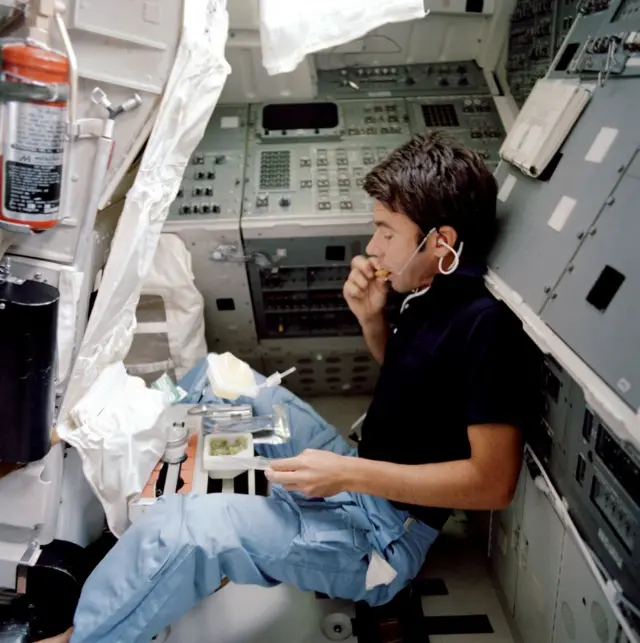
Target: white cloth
[291,29]
[120,438]
[112,419]
[379,572]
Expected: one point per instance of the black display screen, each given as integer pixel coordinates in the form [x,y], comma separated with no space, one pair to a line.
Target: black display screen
[293,116]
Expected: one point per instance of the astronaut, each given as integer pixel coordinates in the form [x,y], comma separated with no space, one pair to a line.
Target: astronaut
[443,431]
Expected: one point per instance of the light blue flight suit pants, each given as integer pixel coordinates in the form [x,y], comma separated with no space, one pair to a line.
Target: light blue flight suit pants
[181,549]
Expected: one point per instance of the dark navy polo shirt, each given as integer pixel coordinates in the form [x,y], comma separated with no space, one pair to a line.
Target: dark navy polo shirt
[456,357]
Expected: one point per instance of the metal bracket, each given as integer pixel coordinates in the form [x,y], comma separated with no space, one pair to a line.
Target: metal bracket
[87,128]
[94,127]
[18,228]
[15,559]
[229,253]
[6,276]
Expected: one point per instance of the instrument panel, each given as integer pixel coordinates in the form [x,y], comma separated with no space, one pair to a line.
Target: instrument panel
[464,77]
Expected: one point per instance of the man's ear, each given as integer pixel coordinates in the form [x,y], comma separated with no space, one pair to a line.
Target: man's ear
[448,235]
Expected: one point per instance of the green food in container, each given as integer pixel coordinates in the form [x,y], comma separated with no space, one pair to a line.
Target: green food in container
[221,446]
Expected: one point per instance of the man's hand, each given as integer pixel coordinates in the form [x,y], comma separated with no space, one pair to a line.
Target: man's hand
[365,294]
[316,474]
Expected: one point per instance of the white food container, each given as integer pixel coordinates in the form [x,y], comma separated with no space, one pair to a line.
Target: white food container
[222,467]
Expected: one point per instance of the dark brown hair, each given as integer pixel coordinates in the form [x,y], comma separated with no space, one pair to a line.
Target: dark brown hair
[436,180]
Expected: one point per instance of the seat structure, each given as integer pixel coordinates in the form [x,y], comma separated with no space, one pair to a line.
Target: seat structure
[403,621]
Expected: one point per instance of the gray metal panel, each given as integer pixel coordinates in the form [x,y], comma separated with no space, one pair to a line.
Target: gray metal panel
[606,515]
[582,611]
[225,330]
[506,531]
[540,548]
[605,338]
[463,77]
[561,396]
[337,370]
[529,254]
[213,181]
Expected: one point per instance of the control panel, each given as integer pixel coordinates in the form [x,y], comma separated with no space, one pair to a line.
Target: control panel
[598,475]
[464,77]
[312,169]
[213,181]
[603,489]
[605,42]
[310,159]
[532,42]
[473,120]
[559,394]
[302,296]
[566,13]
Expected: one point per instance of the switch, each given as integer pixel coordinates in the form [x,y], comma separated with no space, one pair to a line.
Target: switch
[285,202]
[306,183]
[215,208]
[198,159]
[211,175]
[196,209]
[208,191]
[206,209]
[346,205]
[199,176]
[262,201]
[185,209]
[197,191]
[220,159]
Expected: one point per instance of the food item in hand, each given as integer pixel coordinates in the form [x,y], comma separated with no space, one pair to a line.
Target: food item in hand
[222,446]
[383,273]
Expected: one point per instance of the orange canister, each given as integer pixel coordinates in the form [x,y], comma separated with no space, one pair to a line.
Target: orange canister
[33,139]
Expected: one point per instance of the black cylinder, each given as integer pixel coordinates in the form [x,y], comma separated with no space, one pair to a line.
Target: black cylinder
[28,326]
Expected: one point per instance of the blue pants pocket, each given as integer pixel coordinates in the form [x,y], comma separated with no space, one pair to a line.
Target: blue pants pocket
[329,540]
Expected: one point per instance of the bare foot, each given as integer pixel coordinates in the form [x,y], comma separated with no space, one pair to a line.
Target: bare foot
[61,638]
